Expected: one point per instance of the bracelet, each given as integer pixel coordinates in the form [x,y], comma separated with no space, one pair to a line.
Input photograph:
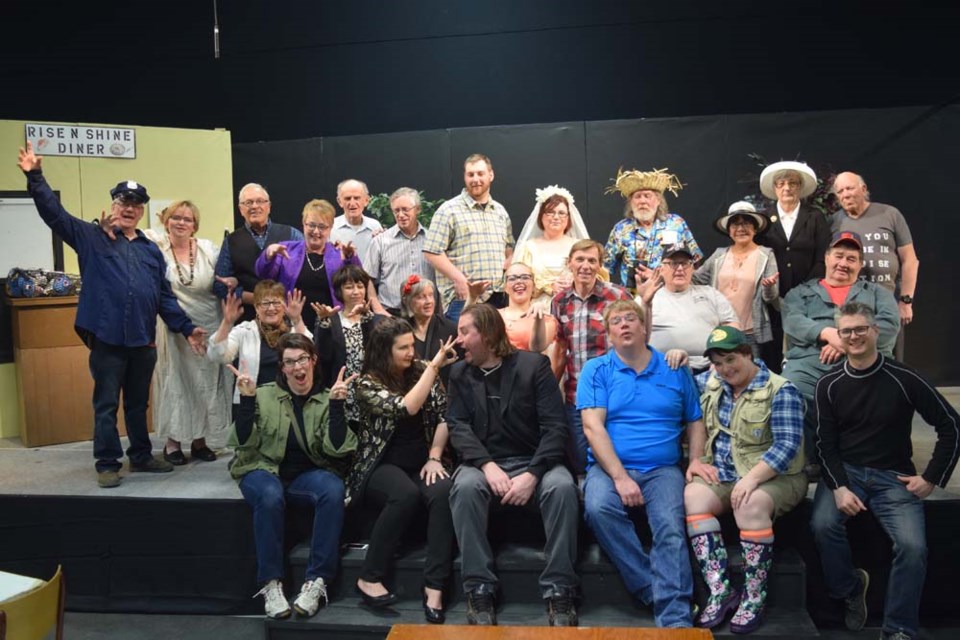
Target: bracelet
[434,460]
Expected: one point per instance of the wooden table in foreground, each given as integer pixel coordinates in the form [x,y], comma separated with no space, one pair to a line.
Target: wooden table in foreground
[466,632]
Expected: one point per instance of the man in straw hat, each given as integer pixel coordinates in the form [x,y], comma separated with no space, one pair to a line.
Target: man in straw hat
[798,235]
[635,246]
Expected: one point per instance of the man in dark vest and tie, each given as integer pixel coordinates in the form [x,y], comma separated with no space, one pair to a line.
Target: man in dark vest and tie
[238,255]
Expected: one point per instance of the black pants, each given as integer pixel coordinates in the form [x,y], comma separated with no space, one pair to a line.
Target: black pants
[772,352]
[399,494]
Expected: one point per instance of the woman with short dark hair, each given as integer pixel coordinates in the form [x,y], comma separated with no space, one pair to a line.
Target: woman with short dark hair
[292,446]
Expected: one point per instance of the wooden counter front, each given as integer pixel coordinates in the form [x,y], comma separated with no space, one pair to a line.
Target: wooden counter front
[53,372]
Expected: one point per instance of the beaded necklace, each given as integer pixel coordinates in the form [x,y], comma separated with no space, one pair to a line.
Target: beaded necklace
[193,259]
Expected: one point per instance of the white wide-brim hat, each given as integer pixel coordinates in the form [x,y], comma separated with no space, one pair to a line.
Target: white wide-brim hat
[741,208]
[806,174]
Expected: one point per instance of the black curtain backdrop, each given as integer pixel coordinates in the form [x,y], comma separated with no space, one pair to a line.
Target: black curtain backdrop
[903,154]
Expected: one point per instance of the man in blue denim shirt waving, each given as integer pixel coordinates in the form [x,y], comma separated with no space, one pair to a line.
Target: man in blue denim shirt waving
[123,291]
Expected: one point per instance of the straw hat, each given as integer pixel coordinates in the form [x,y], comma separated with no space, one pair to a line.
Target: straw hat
[808,177]
[741,208]
[629,182]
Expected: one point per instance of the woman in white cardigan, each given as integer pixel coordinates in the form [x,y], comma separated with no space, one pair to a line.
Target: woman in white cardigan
[254,341]
[744,272]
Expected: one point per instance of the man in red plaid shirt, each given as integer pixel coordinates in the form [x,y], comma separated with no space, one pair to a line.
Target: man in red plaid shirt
[580,329]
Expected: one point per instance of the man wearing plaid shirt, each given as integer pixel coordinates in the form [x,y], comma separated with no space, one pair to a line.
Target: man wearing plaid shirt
[470,238]
[580,330]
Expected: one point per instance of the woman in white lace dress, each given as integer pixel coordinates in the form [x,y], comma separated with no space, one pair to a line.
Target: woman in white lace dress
[191,394]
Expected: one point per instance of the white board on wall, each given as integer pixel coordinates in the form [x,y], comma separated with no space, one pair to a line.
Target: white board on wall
[25,241]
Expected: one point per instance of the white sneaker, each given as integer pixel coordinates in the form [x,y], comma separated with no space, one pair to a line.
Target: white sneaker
[308,602]
[275,604]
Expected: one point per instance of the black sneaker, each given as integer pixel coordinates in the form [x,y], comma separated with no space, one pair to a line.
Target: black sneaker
[855,615]
[561,611]
[481,608]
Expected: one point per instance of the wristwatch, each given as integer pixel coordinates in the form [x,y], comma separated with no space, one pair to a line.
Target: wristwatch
[906,299]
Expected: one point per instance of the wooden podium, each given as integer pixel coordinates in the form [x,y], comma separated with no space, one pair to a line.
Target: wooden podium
[53,372]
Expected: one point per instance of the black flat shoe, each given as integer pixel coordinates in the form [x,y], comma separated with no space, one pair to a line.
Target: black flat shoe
[176,458]
[203,453]
[377,602]
[433,616]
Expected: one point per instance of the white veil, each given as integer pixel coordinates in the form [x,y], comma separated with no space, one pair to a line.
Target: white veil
[577,230]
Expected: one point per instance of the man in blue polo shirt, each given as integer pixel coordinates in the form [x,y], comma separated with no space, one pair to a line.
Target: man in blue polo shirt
[124,289]
[635,408]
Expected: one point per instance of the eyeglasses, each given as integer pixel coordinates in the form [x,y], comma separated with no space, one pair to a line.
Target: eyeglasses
[404,210]
[249,203]
[854,331]
[741,223]
[290,363]
[180,219]
[786,183]
[678,264]
[628,317]
[556,214]
[519,277]
[313,226]
[266,304]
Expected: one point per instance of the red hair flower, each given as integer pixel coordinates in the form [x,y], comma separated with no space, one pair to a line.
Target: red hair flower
[408,285]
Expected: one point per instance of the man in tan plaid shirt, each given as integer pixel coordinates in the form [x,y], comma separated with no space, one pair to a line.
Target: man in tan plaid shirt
[470,238]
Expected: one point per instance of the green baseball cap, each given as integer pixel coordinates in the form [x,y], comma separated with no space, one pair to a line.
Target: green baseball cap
[725,339]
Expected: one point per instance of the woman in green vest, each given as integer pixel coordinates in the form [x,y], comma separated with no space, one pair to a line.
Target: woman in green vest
[293,446]
[754,421]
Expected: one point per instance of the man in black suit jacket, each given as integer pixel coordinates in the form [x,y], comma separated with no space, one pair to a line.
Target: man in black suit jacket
[507,423]
[798,235]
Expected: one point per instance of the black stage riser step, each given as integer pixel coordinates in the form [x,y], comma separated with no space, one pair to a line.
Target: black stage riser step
[519,567]
[346,619]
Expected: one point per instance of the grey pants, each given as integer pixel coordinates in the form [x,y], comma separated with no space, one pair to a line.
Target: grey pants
[556,499]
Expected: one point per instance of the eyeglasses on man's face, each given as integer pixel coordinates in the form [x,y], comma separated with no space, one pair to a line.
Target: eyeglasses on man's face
[860,331]
[627,317]
[258,202]
[678,264]
[291,363]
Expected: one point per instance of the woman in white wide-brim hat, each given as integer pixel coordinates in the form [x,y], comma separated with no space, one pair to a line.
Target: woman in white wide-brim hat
[798,234]
[745,273]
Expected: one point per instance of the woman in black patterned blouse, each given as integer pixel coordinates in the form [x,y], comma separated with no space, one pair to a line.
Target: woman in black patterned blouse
[402,437]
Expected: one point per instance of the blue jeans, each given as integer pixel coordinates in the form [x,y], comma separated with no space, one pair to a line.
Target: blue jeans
[114,369]
[663,576]
[577,444]
[453,309]
[900,513]
[266,495]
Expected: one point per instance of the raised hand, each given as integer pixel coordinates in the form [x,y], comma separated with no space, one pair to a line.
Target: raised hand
[361,309]
[27,160]
[649,286]
[108,223]
[295,301]
[475,289]
[277,249]
[323,311]
[446,355]
[347,250]
[245,383]
[772,280]
[339,389]
[232,307]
